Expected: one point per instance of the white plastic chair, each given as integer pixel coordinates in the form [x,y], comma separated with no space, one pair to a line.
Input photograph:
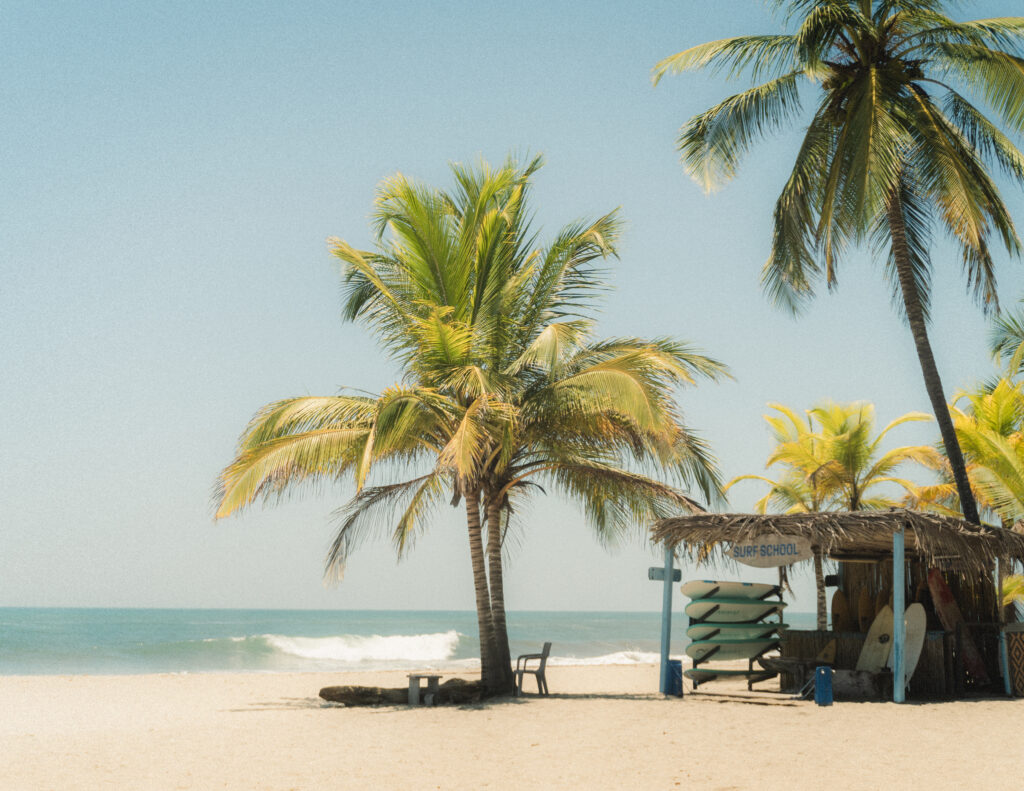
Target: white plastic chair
[522,669]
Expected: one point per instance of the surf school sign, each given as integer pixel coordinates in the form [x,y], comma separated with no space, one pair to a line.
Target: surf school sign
[774,551]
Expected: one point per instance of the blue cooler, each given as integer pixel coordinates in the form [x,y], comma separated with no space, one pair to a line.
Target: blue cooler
[823,686]
[674,682]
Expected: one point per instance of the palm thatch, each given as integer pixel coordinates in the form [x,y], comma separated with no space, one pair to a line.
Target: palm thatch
[850,535]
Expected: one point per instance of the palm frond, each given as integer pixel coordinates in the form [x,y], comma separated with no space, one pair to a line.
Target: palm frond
[1006,340]
[998,75]
[762,54]
[615,500]
[372,510]
[712,143]
[792,267]
[274,466]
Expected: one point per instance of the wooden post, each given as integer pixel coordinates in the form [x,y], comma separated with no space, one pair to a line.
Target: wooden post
[666,619]
[899,625]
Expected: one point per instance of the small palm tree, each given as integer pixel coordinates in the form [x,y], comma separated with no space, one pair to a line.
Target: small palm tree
[832,460]
[893,149]
[504,386]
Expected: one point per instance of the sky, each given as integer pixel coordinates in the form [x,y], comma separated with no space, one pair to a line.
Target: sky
[171,172]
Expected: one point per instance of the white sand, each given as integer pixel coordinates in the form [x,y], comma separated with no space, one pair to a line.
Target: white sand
[602,728]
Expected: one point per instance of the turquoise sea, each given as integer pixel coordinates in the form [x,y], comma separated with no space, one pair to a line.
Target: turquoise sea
[116,641]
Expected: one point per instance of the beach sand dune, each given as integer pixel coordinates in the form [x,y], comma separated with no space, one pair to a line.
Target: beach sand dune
[603,728]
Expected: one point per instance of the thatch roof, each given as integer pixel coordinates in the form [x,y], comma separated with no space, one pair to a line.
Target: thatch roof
[864,535]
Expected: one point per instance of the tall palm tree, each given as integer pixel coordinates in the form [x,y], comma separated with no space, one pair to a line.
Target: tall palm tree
[504,385]
[893,149]
[832,460]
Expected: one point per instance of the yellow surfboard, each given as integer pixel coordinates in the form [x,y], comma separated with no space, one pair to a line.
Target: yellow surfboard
[877,644]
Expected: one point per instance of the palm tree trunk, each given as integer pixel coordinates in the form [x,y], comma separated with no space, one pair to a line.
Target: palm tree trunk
[932,383]
[483,603]
[502,657]
[819,581]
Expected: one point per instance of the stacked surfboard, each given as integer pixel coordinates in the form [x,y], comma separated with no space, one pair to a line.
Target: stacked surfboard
[728,622]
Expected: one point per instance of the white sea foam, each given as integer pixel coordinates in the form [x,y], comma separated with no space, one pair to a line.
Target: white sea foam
[354,649]
[617,658]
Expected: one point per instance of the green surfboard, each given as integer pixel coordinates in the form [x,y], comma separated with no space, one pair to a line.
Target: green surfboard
[723,650]
[727,610]
[733,631]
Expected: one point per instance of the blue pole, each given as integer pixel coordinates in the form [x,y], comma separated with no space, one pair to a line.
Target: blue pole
[666,619]
[1004,659]
[899,625]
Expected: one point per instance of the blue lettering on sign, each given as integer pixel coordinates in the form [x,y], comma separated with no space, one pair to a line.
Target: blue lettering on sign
[779,550]
[767,550]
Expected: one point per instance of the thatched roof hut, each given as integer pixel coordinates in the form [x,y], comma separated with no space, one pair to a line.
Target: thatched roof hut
[851,536]
[862,543]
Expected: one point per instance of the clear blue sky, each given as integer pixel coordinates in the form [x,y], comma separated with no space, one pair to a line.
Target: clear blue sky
[170,174]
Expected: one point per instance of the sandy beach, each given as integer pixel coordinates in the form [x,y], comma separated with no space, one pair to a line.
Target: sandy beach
[601,728]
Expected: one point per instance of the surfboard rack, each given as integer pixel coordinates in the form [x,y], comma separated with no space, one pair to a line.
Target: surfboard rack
[726,606]
[753,675]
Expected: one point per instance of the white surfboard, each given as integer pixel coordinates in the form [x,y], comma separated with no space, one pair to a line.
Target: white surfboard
[878,643]
[733,631]
[701,589]
[916,622]
[729,649]
[732,610]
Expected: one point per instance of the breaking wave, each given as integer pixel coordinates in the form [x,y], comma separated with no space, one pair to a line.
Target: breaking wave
[356,649]
[617,658]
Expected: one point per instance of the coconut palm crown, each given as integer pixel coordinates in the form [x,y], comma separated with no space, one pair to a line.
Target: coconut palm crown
[504,388]
[894,149]
[832,459]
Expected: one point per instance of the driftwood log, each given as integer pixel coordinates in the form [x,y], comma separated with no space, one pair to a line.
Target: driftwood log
[455,690]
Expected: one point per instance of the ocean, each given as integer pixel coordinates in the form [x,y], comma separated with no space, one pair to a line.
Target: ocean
[37,641]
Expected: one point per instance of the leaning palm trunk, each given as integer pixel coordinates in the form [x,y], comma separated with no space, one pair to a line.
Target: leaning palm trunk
[485,624]
[932,382]
[502,681]
[819,581]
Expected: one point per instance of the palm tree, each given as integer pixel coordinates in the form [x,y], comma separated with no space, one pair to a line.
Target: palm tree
[989,423]
[504,385]
[893,149]
[832,460]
